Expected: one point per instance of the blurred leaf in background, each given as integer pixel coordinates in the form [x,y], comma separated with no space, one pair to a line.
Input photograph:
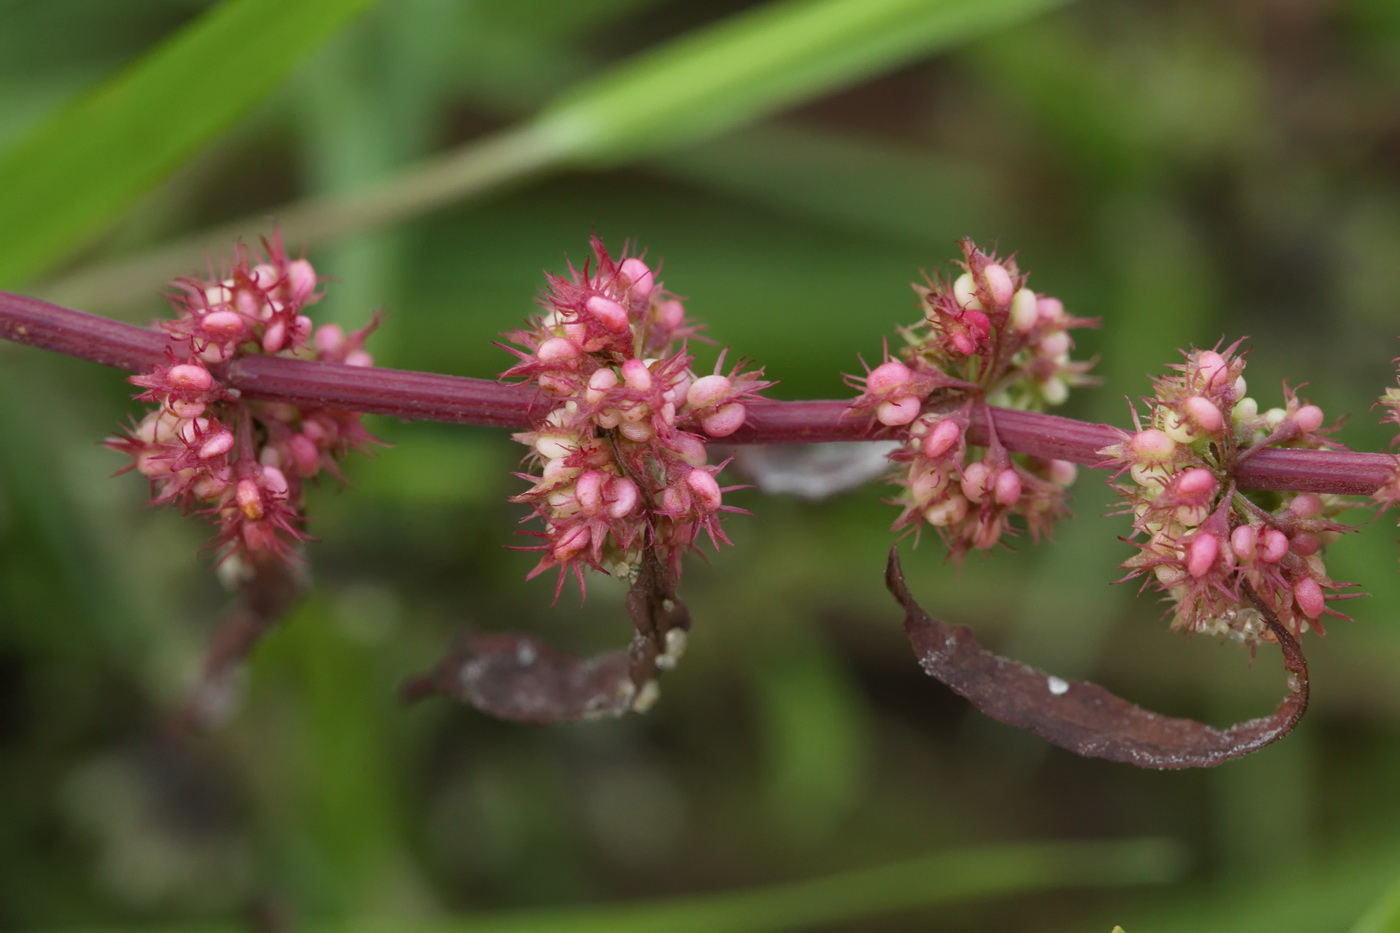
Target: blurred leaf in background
[1184,171]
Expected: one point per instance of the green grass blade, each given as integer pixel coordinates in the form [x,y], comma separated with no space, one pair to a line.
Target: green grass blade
[760,61]
[76,172]
[946,878]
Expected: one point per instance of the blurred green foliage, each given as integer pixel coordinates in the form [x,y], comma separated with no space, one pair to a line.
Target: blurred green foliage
[1187,172]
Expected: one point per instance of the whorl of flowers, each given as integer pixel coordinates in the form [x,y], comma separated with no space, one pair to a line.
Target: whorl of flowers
[619,441]
[1201,540]
[239,461]
[986,339]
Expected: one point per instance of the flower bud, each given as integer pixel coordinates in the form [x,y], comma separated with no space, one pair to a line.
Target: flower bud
[609,313]
[1023,311]
[885,378]
[941,439]
[898,413]
[636,375]
[1202,414]
[974,480]
[1201,554]
[708,391]
[703,485]
[1008,488]
[1307,592]
[726,421]
[1308,418]
[638,275]
[997,281]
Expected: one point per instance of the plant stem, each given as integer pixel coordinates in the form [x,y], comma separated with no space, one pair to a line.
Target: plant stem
[431,397]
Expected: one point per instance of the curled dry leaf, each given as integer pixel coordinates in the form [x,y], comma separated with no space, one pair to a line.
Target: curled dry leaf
[1084,717]
[518,677]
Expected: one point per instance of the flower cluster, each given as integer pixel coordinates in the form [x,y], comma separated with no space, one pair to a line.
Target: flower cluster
[986,339]
[242,462]
[621,450]
[1202,541]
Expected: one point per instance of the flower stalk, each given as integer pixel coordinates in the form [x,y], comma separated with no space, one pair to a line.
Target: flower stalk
[466,400]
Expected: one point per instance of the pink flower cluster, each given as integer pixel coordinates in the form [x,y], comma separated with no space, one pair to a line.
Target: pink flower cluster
[242,462]
[986,339]
[620,451]
[1202,540]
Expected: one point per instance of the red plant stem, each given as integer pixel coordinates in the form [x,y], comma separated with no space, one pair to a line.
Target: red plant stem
[430,397]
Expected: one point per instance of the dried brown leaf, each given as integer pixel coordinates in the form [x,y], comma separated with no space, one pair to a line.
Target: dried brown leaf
[518,677]
[1084,717]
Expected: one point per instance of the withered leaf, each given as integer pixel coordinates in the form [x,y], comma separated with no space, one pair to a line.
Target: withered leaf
[1084,717]
[518,677]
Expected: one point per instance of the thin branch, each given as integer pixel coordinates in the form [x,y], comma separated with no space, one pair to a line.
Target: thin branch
[432,397]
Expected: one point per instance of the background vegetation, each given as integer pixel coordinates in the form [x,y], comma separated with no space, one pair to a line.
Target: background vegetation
[1185,171]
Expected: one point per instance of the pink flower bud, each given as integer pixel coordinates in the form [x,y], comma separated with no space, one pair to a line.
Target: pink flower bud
[708,391]
[1008,488]
[997,281]
[1055,343]
[223,325]
[1050,310]
[275,482]
[689,448]
[636,375]
[963,343]
[1308,418]
[1196,483]
[248,499]
[928,484]
[608,312]
[183,408]
[623,496]
[588,492]
[359,358]
[1243,541]
[672,314]
[1152,444]
[1307,592]
[988,533]
[218,444]
[639,431]
[1305,505]
[888,377]
[941,439]
[1305,544]
[979,326]
[558,350]
[275,337]
[305,456]
[1275,545]
[1062,472]
[974,480]
[1201,554]
[571,542]
[898,413]
[301,280]
[1212,371]
[189,376]
[705,488]
[329,340]
[638,275]
[726,421]
[1203,413]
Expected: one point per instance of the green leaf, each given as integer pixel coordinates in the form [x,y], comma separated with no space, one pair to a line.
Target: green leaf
[75,173]
[763,60]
